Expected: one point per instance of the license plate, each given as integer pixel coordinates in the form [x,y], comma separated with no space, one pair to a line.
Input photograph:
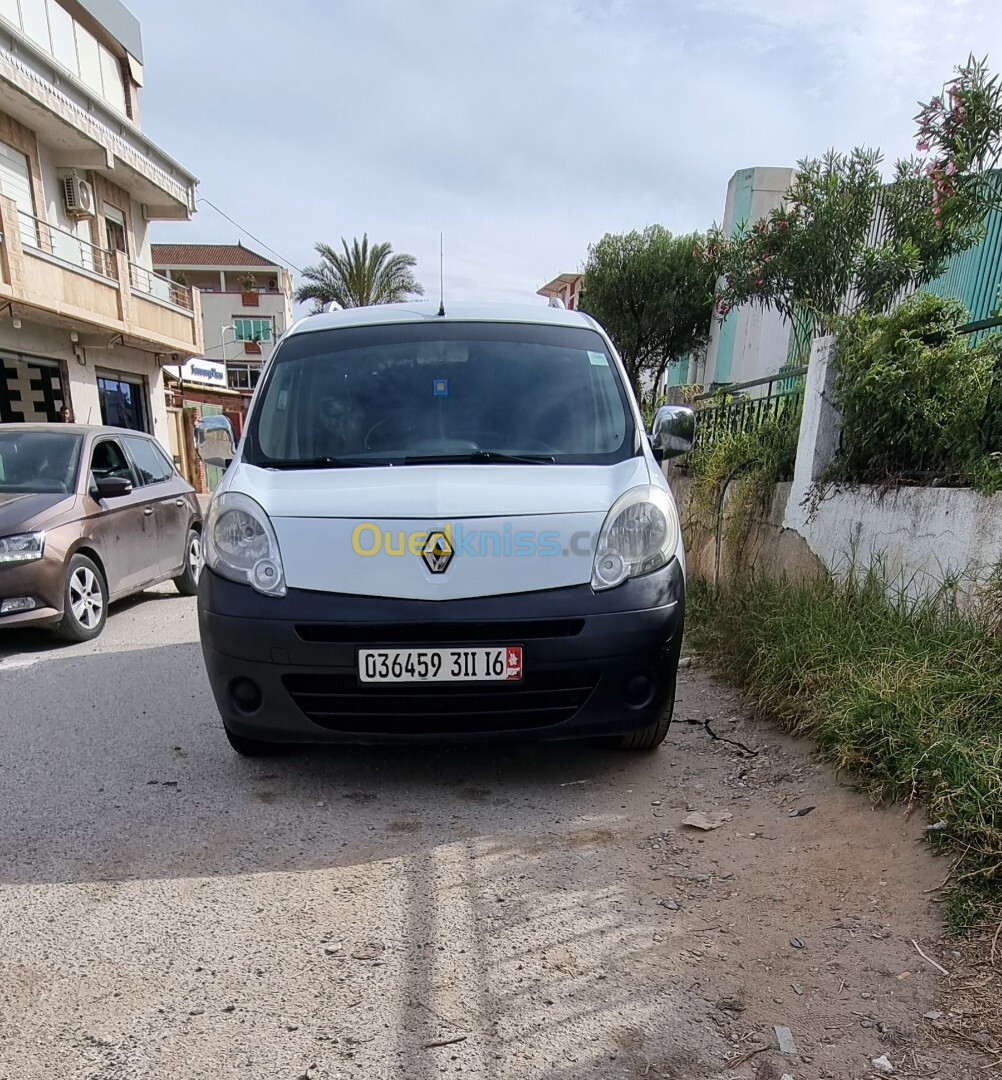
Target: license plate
[440,665]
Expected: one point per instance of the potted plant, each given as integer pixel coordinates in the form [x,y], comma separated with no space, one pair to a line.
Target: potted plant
[248,289]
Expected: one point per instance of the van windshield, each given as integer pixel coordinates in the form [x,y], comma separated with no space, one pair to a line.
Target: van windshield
[439,392]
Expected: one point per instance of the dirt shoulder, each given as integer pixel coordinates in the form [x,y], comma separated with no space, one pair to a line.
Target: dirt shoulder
[809,922]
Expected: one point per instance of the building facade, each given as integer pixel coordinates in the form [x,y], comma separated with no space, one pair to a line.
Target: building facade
[85,322]
[246,303]
[750,342]
[567,288]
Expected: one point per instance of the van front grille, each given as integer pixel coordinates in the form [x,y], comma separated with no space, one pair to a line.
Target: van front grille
[450,632]
[342,703]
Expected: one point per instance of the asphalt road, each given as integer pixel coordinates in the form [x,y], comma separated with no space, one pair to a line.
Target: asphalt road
[168,909]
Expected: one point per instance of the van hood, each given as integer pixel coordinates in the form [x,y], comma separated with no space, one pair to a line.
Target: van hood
[431,491]
[511,528]
[20,512]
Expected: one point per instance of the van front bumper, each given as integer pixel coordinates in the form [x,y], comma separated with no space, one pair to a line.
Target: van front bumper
[595,664]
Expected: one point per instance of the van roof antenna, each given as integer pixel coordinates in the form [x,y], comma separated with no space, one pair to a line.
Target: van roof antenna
[441,272]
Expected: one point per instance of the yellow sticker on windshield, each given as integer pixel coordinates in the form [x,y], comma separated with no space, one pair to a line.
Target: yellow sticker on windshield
[598,359]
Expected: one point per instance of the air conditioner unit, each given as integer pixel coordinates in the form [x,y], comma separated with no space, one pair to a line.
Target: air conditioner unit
[79,196]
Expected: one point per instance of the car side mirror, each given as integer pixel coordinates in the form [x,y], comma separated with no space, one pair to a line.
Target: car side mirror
[111,487]
[214,441]
[673,431]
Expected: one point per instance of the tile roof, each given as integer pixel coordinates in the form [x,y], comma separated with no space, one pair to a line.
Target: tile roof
[235,255]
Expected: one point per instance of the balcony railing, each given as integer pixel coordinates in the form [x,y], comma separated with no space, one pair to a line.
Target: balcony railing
[65,246]
[159,287]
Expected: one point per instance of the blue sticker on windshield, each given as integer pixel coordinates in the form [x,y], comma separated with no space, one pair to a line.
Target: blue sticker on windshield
[598,359]
[441,388]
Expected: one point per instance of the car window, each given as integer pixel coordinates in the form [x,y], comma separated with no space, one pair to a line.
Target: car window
[38,461]
[108,459]
[168,464]
[152,465]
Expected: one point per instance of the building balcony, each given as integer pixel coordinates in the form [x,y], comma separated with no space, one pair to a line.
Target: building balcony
[65,280]
[88,133]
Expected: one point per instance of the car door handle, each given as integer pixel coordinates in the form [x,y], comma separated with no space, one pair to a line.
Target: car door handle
[148,511]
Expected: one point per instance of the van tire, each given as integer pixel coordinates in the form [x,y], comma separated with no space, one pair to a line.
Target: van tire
[253,748]
[648,738]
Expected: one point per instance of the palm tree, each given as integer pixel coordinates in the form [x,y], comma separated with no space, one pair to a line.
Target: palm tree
[359,276]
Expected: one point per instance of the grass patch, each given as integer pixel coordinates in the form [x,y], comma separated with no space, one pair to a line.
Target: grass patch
[906,696]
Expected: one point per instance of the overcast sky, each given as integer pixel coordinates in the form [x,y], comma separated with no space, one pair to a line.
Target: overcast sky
[522,130]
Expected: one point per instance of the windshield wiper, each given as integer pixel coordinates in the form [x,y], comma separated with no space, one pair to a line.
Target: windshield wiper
[321,463]
[481,457]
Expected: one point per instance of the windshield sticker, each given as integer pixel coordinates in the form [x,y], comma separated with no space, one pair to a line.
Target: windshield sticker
[598,359]
[441,388]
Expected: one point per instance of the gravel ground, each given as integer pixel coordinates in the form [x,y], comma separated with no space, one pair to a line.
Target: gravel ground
[170,910]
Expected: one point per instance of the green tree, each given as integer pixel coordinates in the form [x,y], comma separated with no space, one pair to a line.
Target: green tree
[653,292]
[359,276]
[847,241]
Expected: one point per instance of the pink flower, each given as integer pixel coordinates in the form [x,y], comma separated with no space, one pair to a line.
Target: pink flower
[922,147]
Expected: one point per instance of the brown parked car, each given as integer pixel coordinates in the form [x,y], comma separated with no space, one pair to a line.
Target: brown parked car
[89,515]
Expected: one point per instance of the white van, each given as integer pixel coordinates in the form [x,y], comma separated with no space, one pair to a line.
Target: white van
[443,527]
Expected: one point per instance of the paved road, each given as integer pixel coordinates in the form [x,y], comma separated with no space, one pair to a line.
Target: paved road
[170,910]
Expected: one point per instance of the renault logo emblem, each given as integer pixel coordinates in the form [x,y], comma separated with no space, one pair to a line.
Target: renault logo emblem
[437,552]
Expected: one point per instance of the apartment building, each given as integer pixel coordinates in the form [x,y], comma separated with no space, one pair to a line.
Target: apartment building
[246,302]
[85,321]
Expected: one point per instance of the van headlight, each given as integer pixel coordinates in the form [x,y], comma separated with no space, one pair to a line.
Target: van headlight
[239,543]
[640,534]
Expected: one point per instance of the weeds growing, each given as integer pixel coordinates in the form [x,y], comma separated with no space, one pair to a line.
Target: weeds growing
[906,695]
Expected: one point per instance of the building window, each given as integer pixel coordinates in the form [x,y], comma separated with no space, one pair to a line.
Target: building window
[35,22]
[31,390]
[243,376]
[52,28]
[114,227]
[123,402]
[253,330]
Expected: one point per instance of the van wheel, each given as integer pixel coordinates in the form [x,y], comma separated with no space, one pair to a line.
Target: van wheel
[186,582]
[648,738]
[251,747]
[85,602]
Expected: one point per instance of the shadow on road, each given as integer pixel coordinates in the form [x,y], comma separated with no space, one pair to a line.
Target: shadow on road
[115,767]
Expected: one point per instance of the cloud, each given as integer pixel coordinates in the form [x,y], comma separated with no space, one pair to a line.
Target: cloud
[523,131]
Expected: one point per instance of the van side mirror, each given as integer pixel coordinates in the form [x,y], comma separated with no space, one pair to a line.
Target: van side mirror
[214,441]
[673,431]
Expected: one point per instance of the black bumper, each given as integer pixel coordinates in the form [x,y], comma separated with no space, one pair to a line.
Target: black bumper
[595,663]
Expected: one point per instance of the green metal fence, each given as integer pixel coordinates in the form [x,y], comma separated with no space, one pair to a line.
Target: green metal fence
[743,407]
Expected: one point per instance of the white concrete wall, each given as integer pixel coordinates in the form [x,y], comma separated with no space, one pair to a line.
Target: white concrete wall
[919,536]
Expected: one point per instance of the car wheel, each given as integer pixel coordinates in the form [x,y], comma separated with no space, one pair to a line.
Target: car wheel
[187,581]
[251,747]
[85,601]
